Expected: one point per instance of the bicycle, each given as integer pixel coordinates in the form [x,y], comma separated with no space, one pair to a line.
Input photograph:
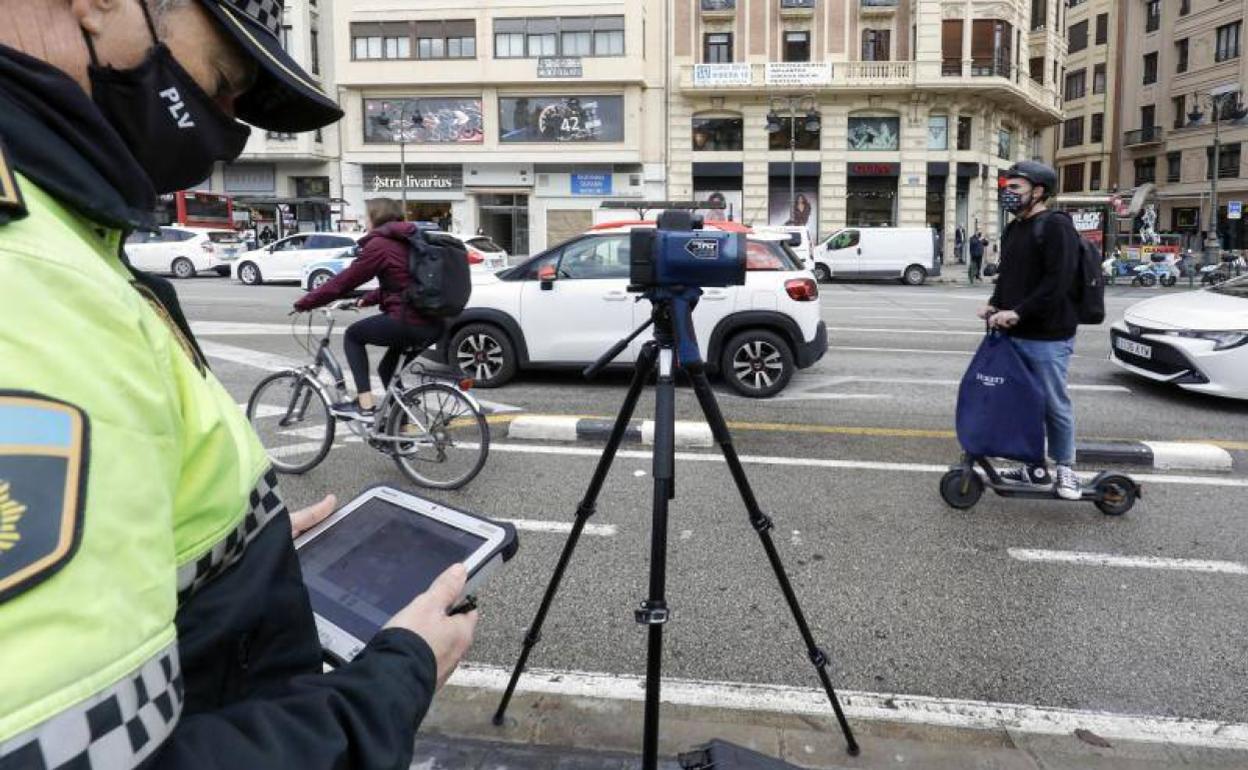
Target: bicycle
[432,426]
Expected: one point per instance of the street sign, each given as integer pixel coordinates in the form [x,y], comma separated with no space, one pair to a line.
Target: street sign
[1234,209]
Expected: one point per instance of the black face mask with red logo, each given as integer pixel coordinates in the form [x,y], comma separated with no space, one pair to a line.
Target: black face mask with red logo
[175,131]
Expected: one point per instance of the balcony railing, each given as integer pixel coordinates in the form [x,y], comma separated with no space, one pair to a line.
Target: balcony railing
[1140,136]
[719,5]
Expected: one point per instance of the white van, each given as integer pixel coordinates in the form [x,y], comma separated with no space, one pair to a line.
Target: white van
[905,253]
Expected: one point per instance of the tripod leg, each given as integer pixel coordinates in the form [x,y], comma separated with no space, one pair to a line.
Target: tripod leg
[641,372]
[763,525]
[653,611]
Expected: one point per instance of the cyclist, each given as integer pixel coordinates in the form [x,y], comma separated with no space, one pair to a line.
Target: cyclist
[381,254]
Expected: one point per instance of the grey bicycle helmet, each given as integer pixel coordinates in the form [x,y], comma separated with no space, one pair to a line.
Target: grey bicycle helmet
[1035,172]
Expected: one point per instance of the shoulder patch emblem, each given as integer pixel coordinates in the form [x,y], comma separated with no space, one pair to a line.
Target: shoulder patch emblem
[44,446]
[11,204]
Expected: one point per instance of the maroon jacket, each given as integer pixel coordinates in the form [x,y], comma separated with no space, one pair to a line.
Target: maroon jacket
[382,254]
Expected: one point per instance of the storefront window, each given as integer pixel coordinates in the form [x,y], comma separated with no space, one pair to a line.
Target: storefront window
[423,121]
[871,202]
[717,134]
[874,133]
[806,140]
[938,132]
[561,119]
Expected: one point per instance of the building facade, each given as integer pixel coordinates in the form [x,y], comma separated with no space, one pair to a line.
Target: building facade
[1178,58]
[288,182]
[516,120]
[920,105]
[1083,144]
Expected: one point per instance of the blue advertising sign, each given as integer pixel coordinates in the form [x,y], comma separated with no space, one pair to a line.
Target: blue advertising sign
[591,184]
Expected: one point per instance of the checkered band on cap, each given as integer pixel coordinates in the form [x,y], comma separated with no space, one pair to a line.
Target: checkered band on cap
[265,502]
[267,12]
[116,729]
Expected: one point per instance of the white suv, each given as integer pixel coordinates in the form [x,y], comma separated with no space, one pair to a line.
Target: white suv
[183,251]
[567,305]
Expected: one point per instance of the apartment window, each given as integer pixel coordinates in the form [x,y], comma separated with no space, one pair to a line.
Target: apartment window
[1180,55]
[315,50]
[1097,133]
[1185,7]
[875,44]
[1072,132]
[1102,28]
[1098,79]
[938,132]
[1039,14]
[1153,20]
[1094,179]
[446,39]
[718,134]
[1228,162]
[797,46]
[1035,68]
[1178,105]
[1145,171]
[717,48]
[1077,37]
[1005,142]
[381,40]
[1076,84]
[991,42]
[1148,116]
[1174,166]
[1150,68]
[1072,178]
[951,47]
[964,132]
[285,41]
[1228,41]
[558,36]
[806,140]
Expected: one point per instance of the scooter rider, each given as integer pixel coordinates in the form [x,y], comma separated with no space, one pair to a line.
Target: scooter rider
[1032,304]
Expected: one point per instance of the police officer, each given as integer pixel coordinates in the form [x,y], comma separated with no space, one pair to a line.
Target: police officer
[152,610]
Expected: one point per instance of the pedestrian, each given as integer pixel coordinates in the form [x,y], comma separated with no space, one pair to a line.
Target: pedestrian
[974,266]
[266,236]
[382,254]
[152,608]
[959,237]
[1032,303]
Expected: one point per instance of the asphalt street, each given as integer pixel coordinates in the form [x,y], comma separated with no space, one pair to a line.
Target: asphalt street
[907,595]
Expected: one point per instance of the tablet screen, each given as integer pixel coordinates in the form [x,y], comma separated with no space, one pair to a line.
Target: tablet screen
[365,569]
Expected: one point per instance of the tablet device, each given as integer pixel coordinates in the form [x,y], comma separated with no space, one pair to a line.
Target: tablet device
[378,552]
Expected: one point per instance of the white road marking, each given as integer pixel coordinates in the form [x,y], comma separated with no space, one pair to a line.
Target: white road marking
[235,329]
[810,462]
[915,381]
[914,709]
[561,527]
[878,308]
[1144,562]
[880,330]
[853,349]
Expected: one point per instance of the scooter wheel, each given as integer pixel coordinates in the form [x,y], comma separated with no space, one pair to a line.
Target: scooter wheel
[1116,494]
[961,488]
[1168,280]
[1147,280]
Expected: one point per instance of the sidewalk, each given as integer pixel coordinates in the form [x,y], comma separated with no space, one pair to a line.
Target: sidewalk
[571,732]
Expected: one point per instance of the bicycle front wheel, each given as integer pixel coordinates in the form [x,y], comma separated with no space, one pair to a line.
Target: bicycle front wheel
[449,438]
[293,421]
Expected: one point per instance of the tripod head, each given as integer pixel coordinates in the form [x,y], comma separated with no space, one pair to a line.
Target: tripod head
[671,314]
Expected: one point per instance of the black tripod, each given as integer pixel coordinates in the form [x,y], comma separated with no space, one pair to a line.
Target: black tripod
[671,316]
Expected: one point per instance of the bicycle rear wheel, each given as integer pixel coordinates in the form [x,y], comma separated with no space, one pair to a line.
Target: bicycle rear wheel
[450,439]
[293,421]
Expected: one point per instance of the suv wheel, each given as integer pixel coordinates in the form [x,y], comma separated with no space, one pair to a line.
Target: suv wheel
[249,274]
[757,363]
[183,268]
[822,273]
[915,275]
[319,279]
[484,353]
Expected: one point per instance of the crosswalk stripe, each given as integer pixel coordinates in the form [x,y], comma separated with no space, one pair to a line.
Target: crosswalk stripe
[1144,562]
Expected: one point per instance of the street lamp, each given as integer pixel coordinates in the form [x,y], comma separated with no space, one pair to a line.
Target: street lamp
[1234,111]
[793,105]
[399,127]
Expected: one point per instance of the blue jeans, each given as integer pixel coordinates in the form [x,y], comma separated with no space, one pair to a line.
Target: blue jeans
[1049,361]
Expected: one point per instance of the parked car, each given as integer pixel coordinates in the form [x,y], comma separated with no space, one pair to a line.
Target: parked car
[183,251]
[317,273]
[1197,340]
[565,306]
[495,256]
[905,253]
[799,241]
[284,260]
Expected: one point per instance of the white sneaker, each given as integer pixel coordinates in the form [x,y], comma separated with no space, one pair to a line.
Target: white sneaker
[1068,486]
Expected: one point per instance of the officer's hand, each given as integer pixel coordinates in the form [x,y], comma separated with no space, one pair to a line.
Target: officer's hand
[985,311]
[306,518]
[449,636]
[1003,319]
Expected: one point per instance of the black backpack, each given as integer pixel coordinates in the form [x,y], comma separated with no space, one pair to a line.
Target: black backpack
[1088,290]
[440,282]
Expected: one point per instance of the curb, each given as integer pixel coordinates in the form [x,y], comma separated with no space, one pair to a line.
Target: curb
[554,428]
[1159,455]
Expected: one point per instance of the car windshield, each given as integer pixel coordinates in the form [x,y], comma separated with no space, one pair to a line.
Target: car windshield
[1236,287]
[223,236]
[484,244]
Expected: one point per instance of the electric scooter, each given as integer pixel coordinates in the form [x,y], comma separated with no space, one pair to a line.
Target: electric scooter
[963,485]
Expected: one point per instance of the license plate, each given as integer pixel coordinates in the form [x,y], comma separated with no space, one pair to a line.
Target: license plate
[1134,348]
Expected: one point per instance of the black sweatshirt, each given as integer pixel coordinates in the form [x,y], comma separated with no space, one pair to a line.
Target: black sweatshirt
[1037,275]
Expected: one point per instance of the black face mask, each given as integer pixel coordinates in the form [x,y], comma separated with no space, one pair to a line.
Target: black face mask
[175,131]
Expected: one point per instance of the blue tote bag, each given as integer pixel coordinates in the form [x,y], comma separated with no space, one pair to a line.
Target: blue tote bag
[1001,405]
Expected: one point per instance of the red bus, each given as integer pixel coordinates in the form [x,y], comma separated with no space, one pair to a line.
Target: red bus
[190,208]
